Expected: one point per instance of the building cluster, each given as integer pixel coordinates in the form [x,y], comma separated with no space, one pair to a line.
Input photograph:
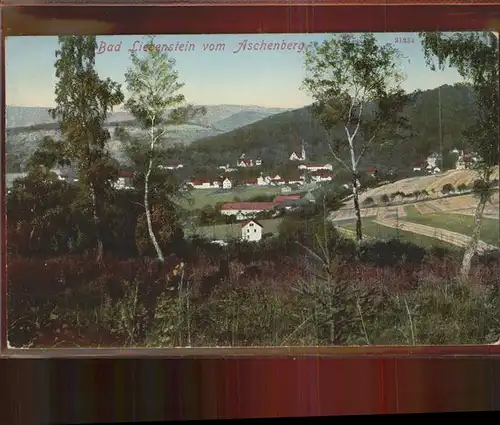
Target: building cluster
[306,171]
[247,210]
[431,164]
[466,160]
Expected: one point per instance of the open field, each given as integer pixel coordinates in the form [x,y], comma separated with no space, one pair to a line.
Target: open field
[198,198]
[372,229]
[466,204]
[460,205]
[229,231]
[429,183]
[458,223]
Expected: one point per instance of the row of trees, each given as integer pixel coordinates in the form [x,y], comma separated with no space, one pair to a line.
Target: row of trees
[356,82]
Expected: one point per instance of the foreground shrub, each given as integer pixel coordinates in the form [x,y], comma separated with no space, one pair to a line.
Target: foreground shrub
[391,252]
[392,295]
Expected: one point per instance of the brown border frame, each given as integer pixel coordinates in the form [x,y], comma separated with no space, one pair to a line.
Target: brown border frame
[195,17]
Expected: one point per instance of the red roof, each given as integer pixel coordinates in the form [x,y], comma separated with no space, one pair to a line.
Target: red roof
[248,206]
[252,181]
[125,174]
[251,221]
[284,198]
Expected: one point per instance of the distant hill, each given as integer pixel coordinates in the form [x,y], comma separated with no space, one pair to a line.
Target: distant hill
[273,138]
[242,118]
[26,126]
[221,117]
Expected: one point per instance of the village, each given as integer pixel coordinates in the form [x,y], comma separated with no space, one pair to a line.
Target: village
[286,193]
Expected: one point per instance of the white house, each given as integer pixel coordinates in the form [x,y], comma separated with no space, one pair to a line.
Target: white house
[244,163]
[432,160]
[315,167]
[322,176]
[204,184]
[286,189]
[175,166]
[124,180]
[419,166]
[464,161]
[251,231]
[227,184]
[263,181]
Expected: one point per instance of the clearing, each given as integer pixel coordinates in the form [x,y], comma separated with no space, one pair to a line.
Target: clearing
[201,197]
[458,223]
[431,183]
[232,231]
[372,229]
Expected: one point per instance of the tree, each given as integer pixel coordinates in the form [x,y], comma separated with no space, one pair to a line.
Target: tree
[156,102]
[475,56]
[447,189]
[39,205]
[83,102]
[355,84]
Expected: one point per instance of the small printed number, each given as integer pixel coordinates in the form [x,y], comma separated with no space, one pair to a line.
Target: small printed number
[405,40]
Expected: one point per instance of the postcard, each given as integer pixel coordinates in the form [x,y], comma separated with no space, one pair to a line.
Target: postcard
[252,190]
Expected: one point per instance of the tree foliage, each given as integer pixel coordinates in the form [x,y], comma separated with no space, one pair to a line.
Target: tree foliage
[83,102]
[156,102]
[475,56]
[356,83]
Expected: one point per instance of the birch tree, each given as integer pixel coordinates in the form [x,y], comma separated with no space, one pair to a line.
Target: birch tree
[475,56]
[83,103]
[156,101]
[358,100]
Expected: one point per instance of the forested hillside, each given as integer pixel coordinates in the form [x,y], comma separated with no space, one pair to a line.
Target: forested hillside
[273,138]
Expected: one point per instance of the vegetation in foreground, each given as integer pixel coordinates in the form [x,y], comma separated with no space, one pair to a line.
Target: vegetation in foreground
[249,295]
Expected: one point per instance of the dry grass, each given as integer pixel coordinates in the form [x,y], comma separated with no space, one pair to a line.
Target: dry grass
[429,183]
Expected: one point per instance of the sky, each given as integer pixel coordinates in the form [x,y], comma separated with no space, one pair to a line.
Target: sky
[227,72]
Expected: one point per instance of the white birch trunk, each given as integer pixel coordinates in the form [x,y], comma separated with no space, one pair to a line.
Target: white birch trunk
[147,209]
[471,248]
[355,193]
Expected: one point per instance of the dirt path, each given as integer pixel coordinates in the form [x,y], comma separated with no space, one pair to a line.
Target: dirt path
[453,238]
